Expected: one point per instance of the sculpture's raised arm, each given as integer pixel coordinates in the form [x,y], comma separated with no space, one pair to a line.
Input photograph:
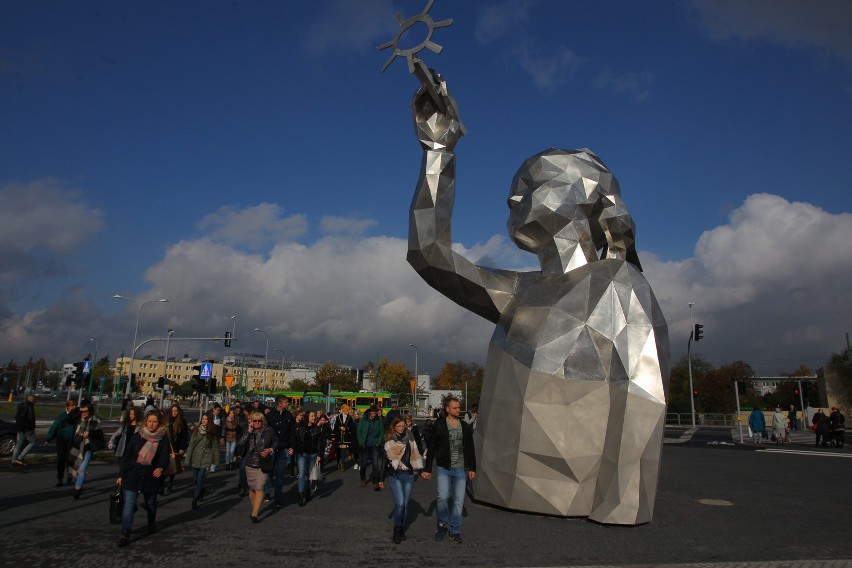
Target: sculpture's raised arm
[484,291]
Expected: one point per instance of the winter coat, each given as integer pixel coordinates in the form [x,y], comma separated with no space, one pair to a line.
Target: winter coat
[61,429]
[138,477]
[837,422]
[202,451]
[284,426]
[378,432]
[309,439]
[123,434]
[757,421]
[252,443]
[345,432]
[439,446]
[25,420]
[779,422]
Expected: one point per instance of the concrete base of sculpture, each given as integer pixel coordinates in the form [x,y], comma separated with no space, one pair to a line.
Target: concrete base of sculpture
[582,435]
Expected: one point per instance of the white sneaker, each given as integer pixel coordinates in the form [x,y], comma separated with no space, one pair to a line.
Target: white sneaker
[355,466]
[212,468]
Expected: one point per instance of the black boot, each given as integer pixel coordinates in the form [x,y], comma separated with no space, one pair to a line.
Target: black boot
[125,539]
[402,533]
[194,504]
[397,535]
[302,500]
[152,527]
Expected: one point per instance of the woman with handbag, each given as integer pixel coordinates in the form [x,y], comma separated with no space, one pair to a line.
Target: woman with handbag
[202,452]
[401,466]
[255,448]
[178,435]
[142,471]
[88,438]
[309,445]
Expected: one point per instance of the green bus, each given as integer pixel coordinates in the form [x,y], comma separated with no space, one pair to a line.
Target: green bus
[313,400]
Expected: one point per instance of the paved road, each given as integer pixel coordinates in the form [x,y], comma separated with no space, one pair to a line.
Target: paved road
[717,506]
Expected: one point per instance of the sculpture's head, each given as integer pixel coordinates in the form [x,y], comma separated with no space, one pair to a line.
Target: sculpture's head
[558,190]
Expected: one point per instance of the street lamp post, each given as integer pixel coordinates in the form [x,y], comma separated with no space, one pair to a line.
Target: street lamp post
[266,354]
[135,333]
[414,390]
[166,367]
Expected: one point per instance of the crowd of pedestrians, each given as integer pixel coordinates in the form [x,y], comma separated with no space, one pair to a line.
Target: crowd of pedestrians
[265,445]
[830,429]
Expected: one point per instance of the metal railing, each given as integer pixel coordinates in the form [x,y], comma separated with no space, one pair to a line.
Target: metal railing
[701,419]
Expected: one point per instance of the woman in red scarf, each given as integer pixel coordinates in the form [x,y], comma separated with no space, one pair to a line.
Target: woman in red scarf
[145,459]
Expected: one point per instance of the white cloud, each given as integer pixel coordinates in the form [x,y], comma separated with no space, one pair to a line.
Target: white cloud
[40,224]
[331,225]
[253,226]
[550,68]
[345,25]
[770,286]
[498,20]
[637,85]
[823,24]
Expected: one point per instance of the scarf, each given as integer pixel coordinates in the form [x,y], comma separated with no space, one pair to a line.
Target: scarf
[152,442]
[402,451]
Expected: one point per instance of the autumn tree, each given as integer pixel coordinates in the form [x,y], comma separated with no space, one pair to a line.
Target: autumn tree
[395,377]
[841,365]
[678,394]
[466,377]
[300,385]
[717,388]
[341,378]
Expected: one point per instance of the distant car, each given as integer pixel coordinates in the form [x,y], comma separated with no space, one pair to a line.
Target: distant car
[139,401]
[8,436]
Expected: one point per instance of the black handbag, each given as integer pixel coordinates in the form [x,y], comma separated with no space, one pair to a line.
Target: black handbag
[116,506]
[267,464]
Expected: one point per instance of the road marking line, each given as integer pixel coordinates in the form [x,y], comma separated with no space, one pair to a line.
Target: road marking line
[805,453]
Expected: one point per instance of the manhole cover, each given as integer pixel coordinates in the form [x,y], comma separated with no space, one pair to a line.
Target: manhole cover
[716,502]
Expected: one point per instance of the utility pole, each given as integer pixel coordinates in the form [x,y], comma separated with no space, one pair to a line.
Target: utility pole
[689,363]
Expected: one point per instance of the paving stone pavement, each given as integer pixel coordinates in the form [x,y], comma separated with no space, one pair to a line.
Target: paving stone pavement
[716,507]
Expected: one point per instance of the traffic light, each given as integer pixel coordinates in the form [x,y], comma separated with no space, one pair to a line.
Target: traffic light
[695,392]
[197,383]
[698,334]
[806,391]
[211,386]
[228,338]
[77,375]
[161,383]
[741,387]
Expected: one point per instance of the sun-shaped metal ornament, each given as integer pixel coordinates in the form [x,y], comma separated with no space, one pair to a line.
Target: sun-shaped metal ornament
[415,64]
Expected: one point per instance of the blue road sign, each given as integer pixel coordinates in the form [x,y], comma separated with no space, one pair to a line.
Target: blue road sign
[206,371]
[103,379]
[87,367]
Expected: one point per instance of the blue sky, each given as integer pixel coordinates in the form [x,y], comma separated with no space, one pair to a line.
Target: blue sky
[249,159]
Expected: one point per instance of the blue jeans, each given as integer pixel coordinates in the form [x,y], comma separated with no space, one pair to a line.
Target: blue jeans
[453,479]
[370,454]
[230,447]
[130,498]
[81,473]
[24,437]
[198,475]
[400,486]
[282,461]
[305,463]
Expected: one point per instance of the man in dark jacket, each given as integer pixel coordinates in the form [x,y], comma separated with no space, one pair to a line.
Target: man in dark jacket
[284,425]
[451,446]
[837,426]
[371,436]
[63,432]
[25,423]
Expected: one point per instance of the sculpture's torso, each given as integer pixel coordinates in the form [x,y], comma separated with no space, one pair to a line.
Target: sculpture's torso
[569,379]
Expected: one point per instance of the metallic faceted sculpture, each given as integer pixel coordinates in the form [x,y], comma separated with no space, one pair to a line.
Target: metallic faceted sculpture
[573,403]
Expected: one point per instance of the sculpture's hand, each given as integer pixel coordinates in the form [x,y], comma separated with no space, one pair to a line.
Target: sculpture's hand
[436,130]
